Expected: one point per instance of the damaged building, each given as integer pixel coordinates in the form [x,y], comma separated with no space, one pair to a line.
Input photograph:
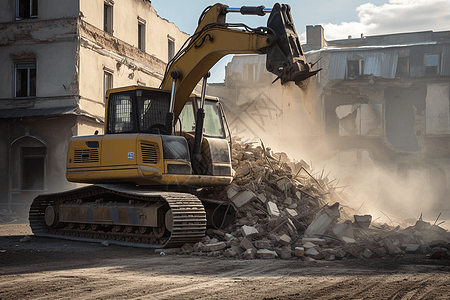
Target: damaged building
[58,58]
[379,101]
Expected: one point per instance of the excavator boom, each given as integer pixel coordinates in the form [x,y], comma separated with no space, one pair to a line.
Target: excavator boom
[214,38]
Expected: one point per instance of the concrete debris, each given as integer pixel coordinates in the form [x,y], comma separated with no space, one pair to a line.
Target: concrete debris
[279,210]
[249,231]
[299,251]
[363,221]
[272,209]
[105,243]
[249,254]
[265,253]
[25,239]
[328,216]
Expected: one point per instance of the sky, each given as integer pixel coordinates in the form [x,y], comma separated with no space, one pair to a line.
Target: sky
[340,18]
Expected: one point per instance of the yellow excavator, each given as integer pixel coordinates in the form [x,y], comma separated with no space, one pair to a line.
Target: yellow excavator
[163,145]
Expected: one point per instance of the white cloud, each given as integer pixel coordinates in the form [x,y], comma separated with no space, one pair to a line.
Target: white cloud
[394,17]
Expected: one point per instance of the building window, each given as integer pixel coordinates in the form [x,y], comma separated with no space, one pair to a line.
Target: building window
[355,68]
[107,82]
[141,36]
[431,64]
[33,168]
[171,47]
[26,9]
[108,18]
[25,80]
[250,72]
[402,67]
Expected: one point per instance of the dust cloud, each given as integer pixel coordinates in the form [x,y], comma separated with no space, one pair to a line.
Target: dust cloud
[366,187]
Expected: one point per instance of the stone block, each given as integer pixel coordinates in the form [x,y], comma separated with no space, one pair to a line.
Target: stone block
[249,254]
[344,229]
[284,184]
[366,253]
[228,237]
[246,244]
[315,241]
[299,251]
[265,253]
[327,217]
[187,247]
[220,233]
[286,253]
[329,254]
[391,248]
[288,201]
[198,247]
[339,253]
[311,252]
[262,198]
[291,212]
[214,247]
[230,252]
[285,239]
[243,198]
[412,248]
[272,209]
[363,221]
[232,190]
[308,245]
[249,231]
[348,240]
[263,244]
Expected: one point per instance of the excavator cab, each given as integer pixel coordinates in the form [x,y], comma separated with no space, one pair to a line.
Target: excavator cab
[139,148]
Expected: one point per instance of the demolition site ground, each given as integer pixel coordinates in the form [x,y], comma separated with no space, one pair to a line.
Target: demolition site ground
[46,268]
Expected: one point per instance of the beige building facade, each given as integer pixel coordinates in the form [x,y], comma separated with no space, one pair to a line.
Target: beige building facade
[58,58]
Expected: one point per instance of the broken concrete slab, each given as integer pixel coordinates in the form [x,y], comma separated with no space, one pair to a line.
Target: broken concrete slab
[412,248]
[311,252]
[265,253]
[249,254]
[263,244]
[246,244]
[291,212]
[315,241]
[363,221]
[327,217]
[249,232]
[366,253]
[232,190]
[272,209]
[392,249]
[243,198]
[285,253]
[299,251]
[214,247]
[348,240]
[285,239]
[344,229]
[308,245]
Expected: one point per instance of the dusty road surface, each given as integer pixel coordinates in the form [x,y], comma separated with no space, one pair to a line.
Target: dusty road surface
[46,268]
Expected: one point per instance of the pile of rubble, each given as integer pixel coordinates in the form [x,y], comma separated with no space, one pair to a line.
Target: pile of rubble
[285,211]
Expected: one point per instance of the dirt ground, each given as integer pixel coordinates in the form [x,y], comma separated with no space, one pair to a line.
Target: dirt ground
[46,268]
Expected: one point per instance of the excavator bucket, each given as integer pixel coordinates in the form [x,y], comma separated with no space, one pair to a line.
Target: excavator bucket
[286,59]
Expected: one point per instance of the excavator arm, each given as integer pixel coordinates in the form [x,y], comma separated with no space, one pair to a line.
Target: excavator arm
[214,38]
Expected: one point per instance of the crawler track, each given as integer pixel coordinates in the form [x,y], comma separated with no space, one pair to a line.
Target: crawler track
[189,217]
